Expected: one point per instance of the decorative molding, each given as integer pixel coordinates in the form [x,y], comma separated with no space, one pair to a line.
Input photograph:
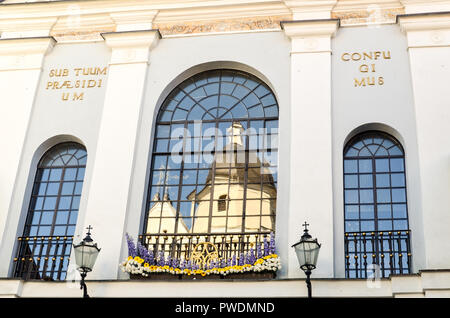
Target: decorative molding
[230,25]
[425,6]
[133,20]
[311,9]
[311,36]
[26,28]
[371,16]
[24,53]
[426,30]
[85,20]
[132,46]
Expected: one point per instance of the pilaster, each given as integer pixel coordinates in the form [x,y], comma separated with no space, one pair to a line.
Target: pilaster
[429,50]
[108,197]
[20,70]
[311,139]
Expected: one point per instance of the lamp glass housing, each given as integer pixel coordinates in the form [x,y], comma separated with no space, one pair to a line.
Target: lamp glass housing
[85,255]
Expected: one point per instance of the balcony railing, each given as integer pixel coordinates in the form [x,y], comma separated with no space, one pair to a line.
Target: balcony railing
[377,254]
[222,246]
[42,257]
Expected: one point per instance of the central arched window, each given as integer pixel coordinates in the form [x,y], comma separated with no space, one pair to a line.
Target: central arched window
[214,162]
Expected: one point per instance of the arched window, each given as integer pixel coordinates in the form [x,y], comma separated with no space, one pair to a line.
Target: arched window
[375,206]
[44,247]
[215,143]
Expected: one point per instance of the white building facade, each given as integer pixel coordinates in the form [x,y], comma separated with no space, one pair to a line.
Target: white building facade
[356,96]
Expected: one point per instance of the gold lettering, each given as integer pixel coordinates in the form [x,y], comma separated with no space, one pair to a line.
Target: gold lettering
[380,80]
[357,58]
[364,68]
[360,83]
[345,57]
[102,71]
[65,96]
[373,68]
[49,84]
[369,56]
[77,71]
[92,83]
[78,97]
[371,81]
[387,56]
[377,55]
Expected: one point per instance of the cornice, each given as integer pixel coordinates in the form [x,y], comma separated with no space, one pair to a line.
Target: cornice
[310,36]
[85,20]
[427,29]
[24,53]
[425,6]
[311,9]
[302,28]
[131,47]
[424,21]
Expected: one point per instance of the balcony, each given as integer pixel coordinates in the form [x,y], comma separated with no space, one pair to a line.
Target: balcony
[202,253]
[377,254]
[43,257]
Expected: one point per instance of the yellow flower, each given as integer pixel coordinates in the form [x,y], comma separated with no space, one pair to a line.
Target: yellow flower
[146,265]
[129,258]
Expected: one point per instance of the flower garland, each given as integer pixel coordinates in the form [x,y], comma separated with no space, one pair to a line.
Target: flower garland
[137,266]
[144,262]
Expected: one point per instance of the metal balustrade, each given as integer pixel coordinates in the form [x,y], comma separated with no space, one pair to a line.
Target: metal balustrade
[226,245]
[43,257]
[377,254]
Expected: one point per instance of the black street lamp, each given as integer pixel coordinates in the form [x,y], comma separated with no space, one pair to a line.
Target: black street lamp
[307,250]
[85,256]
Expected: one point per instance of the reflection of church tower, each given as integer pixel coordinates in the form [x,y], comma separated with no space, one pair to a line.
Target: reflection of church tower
[227,181]
[167,213]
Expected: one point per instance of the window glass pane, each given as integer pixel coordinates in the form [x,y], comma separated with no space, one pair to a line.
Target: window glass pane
[398,179]
[351,181]
[383,180]
[398,195]
[351,196]
[365,181]
[384,195]
[397,165]
[384,211]
[365,165]
[367,211]
[366,196]
[382,165]
[350,166]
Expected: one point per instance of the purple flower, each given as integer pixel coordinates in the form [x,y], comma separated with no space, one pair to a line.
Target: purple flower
[234,262]
[143,252]
[272,243]
[131,247]
[258,251]
[266,246]
[161,261]
[251,259]
[241,259]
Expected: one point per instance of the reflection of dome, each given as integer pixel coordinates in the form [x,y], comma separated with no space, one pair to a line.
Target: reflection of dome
[230,164]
